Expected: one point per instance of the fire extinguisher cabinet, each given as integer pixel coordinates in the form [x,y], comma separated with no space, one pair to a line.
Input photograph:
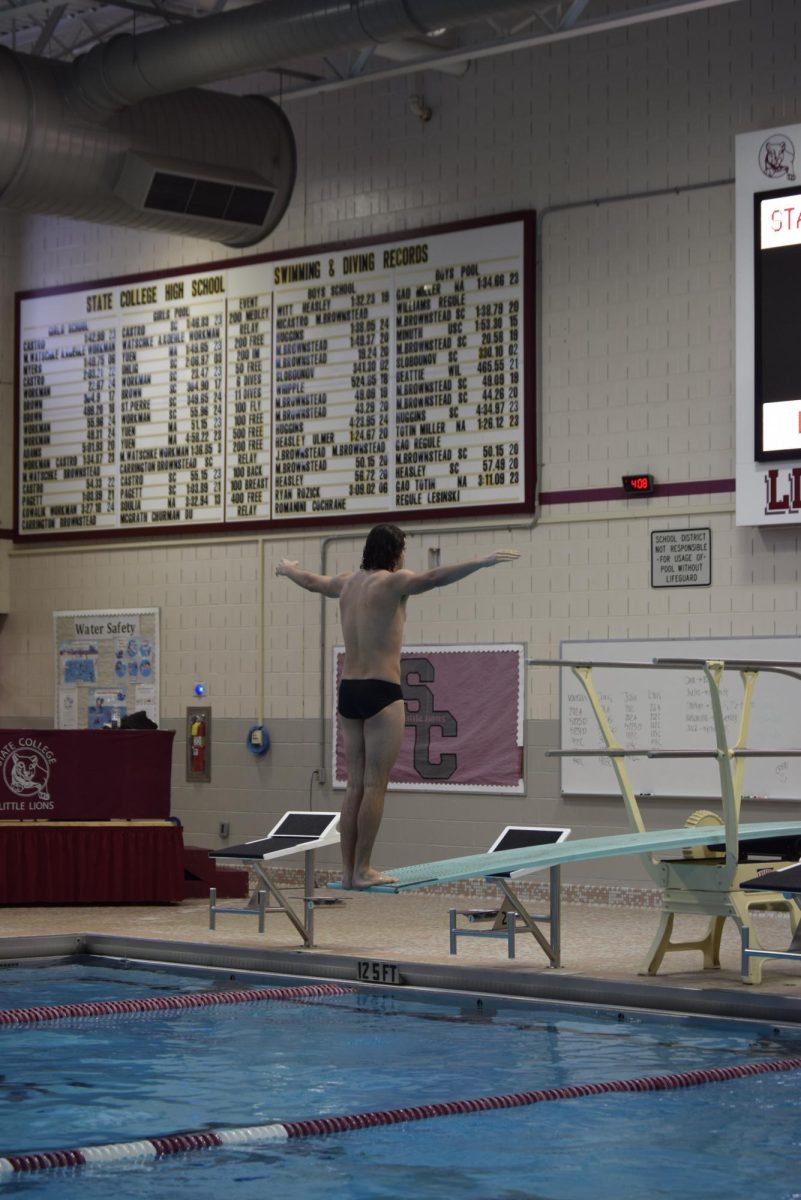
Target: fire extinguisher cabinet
[198,744]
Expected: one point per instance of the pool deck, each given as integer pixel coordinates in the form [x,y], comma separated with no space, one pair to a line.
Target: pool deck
[599,943]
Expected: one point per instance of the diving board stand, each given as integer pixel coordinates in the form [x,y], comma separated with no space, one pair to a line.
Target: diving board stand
[296,833]
[709,876]
[786,880]
[512,917]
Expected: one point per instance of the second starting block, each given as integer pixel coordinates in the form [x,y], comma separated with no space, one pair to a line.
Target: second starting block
[296,833]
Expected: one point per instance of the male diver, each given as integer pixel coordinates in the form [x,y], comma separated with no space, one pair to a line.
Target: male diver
[372,606]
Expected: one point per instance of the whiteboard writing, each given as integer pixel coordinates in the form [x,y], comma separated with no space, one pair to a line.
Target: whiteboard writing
[661,709]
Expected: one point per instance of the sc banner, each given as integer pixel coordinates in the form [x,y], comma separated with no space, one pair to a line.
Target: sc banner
[464,719]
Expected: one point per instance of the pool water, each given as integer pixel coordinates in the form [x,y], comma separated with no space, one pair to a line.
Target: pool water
[81,1082]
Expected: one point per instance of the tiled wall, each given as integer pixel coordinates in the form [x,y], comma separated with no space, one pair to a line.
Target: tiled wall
[636,371]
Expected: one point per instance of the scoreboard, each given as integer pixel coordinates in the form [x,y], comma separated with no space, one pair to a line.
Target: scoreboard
[342,384]
[767,340]
[777,270]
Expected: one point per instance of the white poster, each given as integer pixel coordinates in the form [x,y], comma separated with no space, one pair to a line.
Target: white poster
[107,664]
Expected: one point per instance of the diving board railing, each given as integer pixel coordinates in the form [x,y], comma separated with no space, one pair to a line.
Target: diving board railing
[707,885]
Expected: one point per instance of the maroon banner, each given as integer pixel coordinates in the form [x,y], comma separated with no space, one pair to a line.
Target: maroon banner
[464,719]
[85,774]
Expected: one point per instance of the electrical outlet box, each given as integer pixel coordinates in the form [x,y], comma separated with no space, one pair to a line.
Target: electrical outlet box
[258,740]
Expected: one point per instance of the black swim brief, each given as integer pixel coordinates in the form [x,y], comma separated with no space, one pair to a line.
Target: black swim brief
[360,699]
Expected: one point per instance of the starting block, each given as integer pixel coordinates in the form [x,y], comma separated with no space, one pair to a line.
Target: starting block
[512,917]
[296,833]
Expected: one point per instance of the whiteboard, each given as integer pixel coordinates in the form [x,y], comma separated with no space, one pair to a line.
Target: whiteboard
[671,710]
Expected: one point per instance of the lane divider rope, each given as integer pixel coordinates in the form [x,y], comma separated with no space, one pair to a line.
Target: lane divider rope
[179,1143]
[105,1008]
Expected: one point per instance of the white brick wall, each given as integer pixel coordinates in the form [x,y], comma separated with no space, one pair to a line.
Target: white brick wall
[637,351]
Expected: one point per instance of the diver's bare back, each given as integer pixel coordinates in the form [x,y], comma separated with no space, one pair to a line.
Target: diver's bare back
[373,614]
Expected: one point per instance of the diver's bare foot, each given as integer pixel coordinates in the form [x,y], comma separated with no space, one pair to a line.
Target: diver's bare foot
[370,878]
[347,881]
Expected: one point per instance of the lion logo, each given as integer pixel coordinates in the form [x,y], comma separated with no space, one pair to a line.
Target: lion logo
[777,157]
[26,773]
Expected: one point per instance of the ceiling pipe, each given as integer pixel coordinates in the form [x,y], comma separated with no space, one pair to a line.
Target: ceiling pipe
[440,58]
[128,69]
[128,135]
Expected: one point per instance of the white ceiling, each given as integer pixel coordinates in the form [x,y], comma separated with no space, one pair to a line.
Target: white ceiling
[66,30]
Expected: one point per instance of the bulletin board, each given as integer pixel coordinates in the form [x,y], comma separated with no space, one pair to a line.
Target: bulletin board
[464,719]
[106,666]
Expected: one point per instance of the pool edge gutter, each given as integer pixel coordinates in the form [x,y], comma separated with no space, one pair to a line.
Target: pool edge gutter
[538,984]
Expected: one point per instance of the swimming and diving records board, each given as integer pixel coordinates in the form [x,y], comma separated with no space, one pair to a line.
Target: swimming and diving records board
[297,832]
[294,388]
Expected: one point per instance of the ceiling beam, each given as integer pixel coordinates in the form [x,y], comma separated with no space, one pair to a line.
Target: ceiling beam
[660,10]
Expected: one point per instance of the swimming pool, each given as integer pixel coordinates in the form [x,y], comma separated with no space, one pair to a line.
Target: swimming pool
[113,1079]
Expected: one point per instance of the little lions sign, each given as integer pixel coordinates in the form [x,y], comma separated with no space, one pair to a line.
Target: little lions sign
[25,765]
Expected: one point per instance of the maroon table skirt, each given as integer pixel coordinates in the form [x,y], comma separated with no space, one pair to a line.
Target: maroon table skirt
[86,863]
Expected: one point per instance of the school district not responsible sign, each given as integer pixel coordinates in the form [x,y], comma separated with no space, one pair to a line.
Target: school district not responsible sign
[681,558]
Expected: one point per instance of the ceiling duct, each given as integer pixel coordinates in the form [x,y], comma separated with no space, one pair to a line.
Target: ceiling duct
[126,135]
[127,69]
[199,163]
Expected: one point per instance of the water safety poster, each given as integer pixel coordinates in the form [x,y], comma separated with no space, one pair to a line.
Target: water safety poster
[107,664]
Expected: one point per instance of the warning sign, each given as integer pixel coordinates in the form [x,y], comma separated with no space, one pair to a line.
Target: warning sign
[681,558]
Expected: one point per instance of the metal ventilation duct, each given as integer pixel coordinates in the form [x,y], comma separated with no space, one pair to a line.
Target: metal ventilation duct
[198,163]
[122,136]
[126,69]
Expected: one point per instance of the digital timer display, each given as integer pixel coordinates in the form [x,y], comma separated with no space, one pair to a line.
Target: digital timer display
[777,308]
[638,485]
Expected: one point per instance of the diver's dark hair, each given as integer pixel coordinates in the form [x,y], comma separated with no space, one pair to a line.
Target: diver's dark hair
[383,548]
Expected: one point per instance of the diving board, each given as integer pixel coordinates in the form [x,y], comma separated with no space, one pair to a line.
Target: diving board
[715,861]
[502,866]
[473,866]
